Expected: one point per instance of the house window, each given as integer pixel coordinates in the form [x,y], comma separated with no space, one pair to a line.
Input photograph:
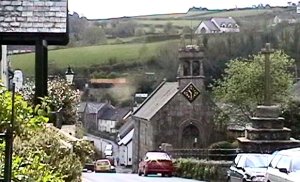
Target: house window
[203,30]
[236,26]
[223,25]
[229,25]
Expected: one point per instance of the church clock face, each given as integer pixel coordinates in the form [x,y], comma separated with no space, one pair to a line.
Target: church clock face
[190,92]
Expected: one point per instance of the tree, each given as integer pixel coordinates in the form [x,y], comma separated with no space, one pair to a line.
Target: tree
[167,60]
[40,153]
[94,35]
[169,28]
[243,83]
[61,95]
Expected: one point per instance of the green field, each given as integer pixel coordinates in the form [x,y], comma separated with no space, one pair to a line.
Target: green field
[196,18]
[237,13]
[180,23]
[88,56]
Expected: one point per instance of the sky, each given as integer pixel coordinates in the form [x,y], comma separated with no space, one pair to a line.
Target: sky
[101,9]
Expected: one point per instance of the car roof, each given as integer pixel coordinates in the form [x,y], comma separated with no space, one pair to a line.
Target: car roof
[100,160]
[253,154]
[292,151]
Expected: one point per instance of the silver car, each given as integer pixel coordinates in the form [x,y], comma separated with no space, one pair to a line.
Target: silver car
[249,167]
[285,166]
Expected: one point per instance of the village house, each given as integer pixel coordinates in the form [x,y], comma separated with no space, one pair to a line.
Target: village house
[218,25]
[125,136]
[125,149]
[90,114]
[177,113]
[108,120]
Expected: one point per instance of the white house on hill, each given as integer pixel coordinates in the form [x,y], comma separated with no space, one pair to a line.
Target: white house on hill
[218,25]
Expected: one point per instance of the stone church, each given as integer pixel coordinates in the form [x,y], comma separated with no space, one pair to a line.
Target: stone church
[179,113]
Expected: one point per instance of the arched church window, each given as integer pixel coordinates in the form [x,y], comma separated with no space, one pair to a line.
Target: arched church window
[196,68]
[186,68]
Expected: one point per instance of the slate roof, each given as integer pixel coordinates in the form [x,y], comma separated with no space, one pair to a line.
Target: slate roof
[34,16]
[113,114]
[225,21]
[161,96]
[211,25]
[127,138]
[94,108]
[126,127]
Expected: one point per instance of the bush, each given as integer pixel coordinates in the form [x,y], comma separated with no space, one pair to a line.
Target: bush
[202,169]
[219,151]
[221,145]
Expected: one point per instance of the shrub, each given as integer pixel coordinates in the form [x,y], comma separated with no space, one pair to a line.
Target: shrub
[202,169]
[217,152]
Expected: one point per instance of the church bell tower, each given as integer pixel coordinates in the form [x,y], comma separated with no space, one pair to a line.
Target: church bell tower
[190,74]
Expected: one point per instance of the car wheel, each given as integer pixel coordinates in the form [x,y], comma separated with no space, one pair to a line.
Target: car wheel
[228,179]
[145,173]
[170,175]
[139,172]
[163,174]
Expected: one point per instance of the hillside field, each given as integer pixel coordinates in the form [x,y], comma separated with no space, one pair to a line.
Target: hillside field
[88,56]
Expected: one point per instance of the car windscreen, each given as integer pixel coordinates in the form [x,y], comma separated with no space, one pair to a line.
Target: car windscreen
[106,162]
[257,161]
[157,156]
[296,165]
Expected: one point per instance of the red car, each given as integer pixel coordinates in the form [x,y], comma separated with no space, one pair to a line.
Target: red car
[156,162]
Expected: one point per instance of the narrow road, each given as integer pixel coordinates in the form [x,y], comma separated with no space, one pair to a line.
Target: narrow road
[100,143]
[118,177]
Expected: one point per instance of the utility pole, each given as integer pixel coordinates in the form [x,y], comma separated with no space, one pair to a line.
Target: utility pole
[267,51]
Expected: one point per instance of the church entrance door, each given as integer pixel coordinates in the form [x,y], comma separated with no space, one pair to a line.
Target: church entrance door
[190,136]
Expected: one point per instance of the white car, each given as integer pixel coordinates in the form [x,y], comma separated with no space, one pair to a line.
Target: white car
[285,166]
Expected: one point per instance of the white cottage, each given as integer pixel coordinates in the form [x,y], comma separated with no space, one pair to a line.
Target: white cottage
[125,149]
[218,25]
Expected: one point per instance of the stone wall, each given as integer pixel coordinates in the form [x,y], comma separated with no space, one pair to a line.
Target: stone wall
[47,16]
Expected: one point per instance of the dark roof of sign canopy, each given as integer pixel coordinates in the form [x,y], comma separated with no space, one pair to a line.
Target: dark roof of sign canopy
[22,22]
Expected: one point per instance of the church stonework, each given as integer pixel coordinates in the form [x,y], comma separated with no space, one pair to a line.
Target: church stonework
[179,113]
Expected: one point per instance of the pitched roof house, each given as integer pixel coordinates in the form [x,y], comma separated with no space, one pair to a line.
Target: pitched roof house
[218,25]
[110,117]
[91,115]
[125,149]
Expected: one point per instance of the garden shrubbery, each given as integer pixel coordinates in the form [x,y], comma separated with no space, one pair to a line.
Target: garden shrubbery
[40,153]
[222,150]
[201,169]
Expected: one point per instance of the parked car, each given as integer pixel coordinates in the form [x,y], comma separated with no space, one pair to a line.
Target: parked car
[89,166]
[285,166]
[249,167]
[104,165]
[156,162]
